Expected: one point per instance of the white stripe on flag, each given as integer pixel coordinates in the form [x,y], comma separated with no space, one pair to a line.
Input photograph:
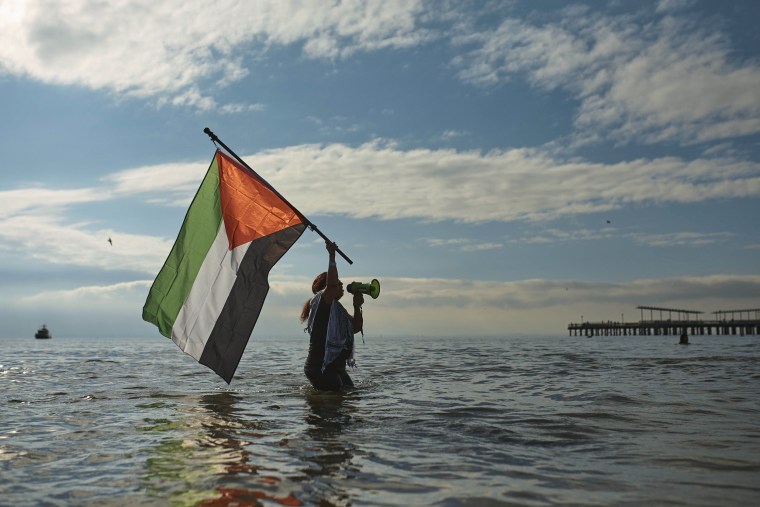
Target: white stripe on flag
[212,286]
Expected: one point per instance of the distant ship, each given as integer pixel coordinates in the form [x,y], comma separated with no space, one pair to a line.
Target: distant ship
[43,332]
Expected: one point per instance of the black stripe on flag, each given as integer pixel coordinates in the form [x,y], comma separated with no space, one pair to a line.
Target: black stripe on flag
[233,328]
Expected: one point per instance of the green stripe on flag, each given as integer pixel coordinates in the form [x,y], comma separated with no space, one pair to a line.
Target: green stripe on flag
[173,283]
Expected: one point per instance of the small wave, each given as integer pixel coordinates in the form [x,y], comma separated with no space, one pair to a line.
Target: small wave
[616,398]
[714,464]
[160,394]
[604,416]
[157,404]
[93,397]
[471,412]
[478,501]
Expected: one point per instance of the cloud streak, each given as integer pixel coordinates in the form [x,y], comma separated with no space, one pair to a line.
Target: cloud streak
[438,185]
[443,184]
[137,47]
[56,241]
[90,294]
[533,294]
[35,198]
[650,77]
[635,78]
[540,293]
[510,185]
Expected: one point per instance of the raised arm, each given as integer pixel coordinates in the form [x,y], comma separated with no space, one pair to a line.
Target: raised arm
[334,289]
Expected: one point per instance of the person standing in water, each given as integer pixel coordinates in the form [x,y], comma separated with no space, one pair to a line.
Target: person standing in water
[331,329]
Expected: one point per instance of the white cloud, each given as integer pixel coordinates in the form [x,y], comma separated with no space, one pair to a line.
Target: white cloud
[88,295]
[36,198]
[513,185]
[652,81]
[540,293]
[463,244]
[481,247]
[435,242]
[448,135]
[241,108]
[507,185]
[670,239]
[692,239]
[445,184]
[54,240]
[35,220]
[166,49]
[662,80]
[171,183]
[554,235]
[673,5]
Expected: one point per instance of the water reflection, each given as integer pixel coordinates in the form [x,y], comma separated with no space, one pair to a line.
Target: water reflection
[206,457]
[226,431]
[231,431]
[329,449]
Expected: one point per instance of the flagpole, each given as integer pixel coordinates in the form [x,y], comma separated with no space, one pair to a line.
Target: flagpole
[308,222]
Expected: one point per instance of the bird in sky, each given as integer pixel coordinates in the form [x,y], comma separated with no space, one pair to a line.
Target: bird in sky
[111,242]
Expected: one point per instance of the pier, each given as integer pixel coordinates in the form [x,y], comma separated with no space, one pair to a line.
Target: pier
[661,322]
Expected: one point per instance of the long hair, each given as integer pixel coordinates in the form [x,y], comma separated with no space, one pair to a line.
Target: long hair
[320,282]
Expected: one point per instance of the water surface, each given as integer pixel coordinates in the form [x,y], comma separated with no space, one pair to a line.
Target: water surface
[448,422]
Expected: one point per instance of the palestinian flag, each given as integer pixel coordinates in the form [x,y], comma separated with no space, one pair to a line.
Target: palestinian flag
[209,293]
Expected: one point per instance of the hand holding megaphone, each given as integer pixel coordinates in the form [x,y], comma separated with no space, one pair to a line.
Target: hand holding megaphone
[372,288]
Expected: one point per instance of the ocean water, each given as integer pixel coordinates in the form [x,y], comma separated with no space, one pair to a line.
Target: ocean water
[440,422]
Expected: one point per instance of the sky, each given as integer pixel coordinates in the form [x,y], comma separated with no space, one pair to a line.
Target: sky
[503,168]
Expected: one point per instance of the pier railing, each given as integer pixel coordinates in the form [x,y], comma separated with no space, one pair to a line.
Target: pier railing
[666,328]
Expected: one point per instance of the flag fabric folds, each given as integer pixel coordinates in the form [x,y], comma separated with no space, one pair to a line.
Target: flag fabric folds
[210,291]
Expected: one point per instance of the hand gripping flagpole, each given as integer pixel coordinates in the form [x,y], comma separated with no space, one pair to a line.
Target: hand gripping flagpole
[308,222]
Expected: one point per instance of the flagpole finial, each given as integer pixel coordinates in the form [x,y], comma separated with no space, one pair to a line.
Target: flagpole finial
[209,133]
